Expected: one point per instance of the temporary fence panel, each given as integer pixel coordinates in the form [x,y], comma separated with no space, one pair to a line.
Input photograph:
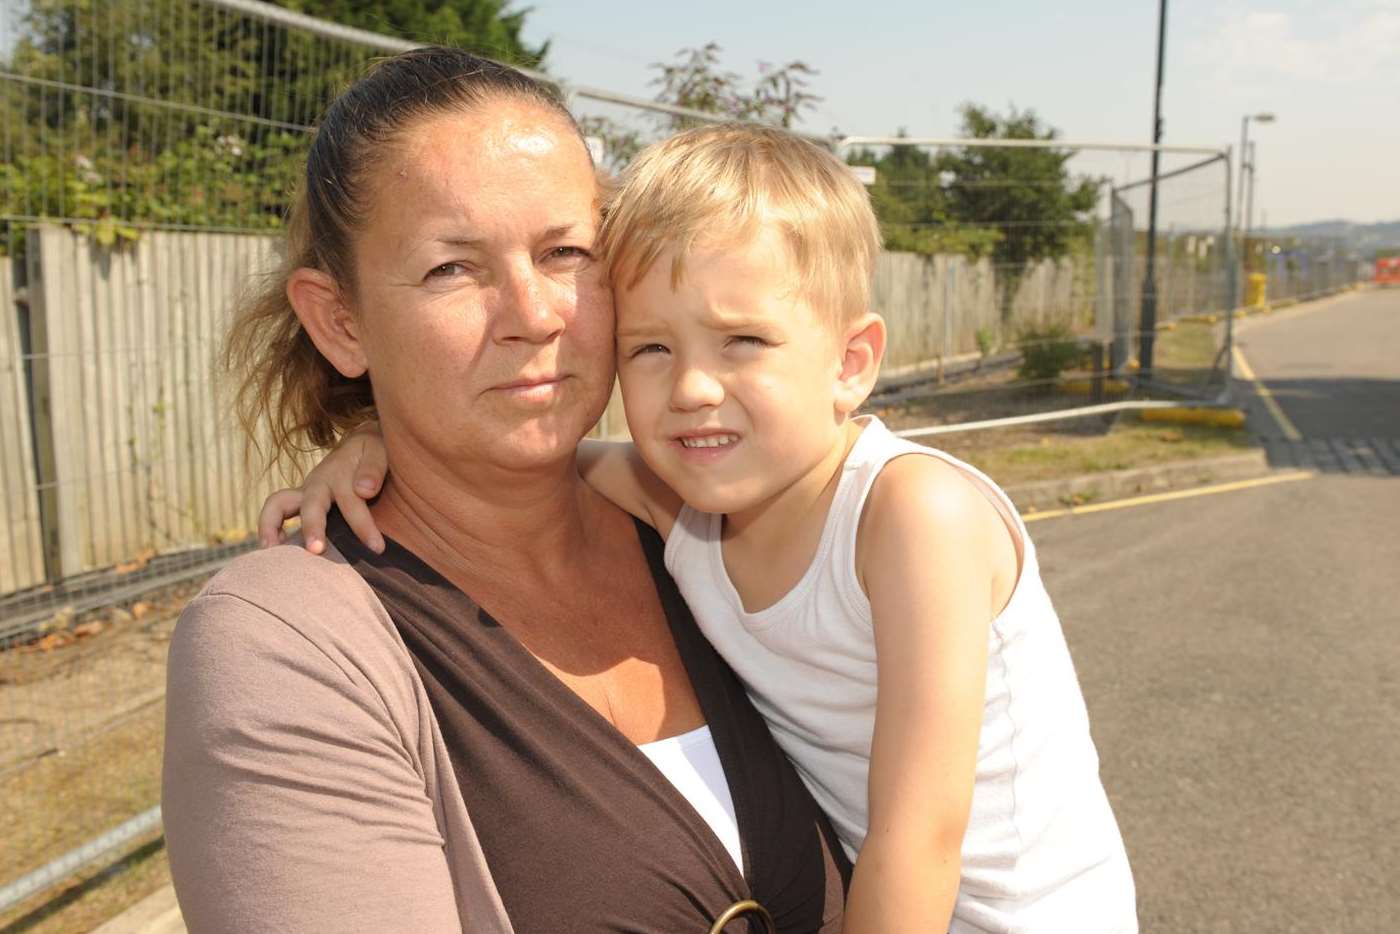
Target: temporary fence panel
[1194,273]
[21,553]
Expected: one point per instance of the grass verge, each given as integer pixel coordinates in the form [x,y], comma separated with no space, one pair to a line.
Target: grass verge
[1057,450]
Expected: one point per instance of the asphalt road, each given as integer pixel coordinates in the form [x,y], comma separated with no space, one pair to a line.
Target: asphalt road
[1240,654]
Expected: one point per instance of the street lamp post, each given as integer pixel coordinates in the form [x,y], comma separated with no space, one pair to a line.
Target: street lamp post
[1148,320]
[1246,201]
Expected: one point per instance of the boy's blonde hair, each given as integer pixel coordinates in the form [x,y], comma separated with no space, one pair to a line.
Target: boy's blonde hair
[725,181]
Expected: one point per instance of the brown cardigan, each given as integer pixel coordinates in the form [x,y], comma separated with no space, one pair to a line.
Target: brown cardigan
[294,714]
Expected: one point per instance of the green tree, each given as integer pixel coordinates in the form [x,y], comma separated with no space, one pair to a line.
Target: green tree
[695,79]
[912,206]
[1027,196]
[487,27]
[169,112]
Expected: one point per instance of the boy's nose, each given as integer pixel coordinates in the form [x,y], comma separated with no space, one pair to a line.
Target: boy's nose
[695,389]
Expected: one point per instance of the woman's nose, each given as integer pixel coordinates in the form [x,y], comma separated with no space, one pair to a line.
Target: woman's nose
[695,388]
[528,310]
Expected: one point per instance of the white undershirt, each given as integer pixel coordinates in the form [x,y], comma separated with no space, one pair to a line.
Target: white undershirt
[691,762]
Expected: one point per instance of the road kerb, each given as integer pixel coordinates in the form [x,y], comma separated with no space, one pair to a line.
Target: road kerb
[1291,476]
[1119,484]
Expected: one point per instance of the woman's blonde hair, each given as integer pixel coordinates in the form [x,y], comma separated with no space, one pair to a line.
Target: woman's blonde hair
[282,383]
[726,180]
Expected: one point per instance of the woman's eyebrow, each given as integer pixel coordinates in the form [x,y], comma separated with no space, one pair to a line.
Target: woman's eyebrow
[457,240]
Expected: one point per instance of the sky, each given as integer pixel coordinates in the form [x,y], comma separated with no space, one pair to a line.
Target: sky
[1329,71]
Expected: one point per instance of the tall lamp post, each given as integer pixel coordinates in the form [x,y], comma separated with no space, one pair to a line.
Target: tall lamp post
[1148,323]
[1246,201]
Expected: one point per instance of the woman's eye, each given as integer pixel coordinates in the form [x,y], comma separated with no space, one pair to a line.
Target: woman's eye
[446,270]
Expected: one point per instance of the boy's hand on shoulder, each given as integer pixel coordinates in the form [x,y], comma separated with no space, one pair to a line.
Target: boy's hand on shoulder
[930,552]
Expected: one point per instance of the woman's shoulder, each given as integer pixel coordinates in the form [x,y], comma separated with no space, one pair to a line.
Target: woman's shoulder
[294,585]
[278,616]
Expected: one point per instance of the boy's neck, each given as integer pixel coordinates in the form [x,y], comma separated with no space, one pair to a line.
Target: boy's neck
[769,526]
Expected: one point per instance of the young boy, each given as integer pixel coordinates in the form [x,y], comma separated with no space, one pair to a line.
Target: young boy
[881,601]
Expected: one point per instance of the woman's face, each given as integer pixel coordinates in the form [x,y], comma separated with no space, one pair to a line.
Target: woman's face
[484,319]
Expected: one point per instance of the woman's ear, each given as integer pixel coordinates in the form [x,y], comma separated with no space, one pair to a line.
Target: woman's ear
[862,349]
[316,299]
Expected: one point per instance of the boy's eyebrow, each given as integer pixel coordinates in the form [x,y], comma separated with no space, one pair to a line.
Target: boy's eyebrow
[646,331]
[720,321]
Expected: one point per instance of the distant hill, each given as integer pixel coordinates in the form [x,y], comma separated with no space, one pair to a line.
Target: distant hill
[1362,237]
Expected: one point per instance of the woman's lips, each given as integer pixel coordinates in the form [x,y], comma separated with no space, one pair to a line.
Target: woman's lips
[532,389]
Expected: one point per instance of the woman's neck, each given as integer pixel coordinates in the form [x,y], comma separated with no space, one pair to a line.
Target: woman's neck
[474,519]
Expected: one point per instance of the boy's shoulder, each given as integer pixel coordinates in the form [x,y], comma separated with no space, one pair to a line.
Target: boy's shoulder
[919,488]
[929,515]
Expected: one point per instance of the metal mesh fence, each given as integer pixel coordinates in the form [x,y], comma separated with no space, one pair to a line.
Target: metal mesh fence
[1299,269]
[1018,297]
[1194,275]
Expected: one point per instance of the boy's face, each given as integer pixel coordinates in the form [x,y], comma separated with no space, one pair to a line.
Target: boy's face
[728,379]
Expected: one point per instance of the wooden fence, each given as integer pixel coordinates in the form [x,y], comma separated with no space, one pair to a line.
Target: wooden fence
[934,306]
[133,452]
[21,552]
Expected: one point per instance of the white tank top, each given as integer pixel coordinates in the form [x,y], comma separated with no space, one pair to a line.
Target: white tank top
[1042,850]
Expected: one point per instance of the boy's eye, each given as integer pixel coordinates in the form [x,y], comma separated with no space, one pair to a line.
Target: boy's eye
[748,340]
[569,252]
[647,349]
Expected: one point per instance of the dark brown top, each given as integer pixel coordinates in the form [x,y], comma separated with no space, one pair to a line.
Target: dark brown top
[581,832]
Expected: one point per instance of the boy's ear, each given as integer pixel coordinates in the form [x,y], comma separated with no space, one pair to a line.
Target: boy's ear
[862,350]
[316,299]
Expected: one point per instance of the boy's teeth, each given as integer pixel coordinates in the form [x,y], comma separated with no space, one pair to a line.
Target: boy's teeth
[712,441]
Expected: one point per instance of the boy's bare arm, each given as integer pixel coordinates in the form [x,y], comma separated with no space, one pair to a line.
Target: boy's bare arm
[353,473]
[928,559]
[617,471]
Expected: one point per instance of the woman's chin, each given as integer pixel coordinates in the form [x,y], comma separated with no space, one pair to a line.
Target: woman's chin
[540,443]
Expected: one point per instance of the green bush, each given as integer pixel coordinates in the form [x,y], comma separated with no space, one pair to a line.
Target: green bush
[1047,352]
[986,341]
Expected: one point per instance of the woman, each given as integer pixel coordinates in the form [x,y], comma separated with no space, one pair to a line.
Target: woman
[507,721]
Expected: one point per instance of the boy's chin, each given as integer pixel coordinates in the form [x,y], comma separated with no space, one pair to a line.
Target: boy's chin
[719,501]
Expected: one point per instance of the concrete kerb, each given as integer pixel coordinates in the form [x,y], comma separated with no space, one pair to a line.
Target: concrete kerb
[157,913]
[1121,484]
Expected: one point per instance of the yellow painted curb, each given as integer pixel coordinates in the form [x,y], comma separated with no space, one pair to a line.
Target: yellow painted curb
[1085,387]
[1218,418]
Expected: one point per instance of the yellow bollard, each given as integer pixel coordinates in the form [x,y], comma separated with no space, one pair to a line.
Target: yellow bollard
[1255,288]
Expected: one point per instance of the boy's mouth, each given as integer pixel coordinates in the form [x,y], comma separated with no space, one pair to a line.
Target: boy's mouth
[716,440]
